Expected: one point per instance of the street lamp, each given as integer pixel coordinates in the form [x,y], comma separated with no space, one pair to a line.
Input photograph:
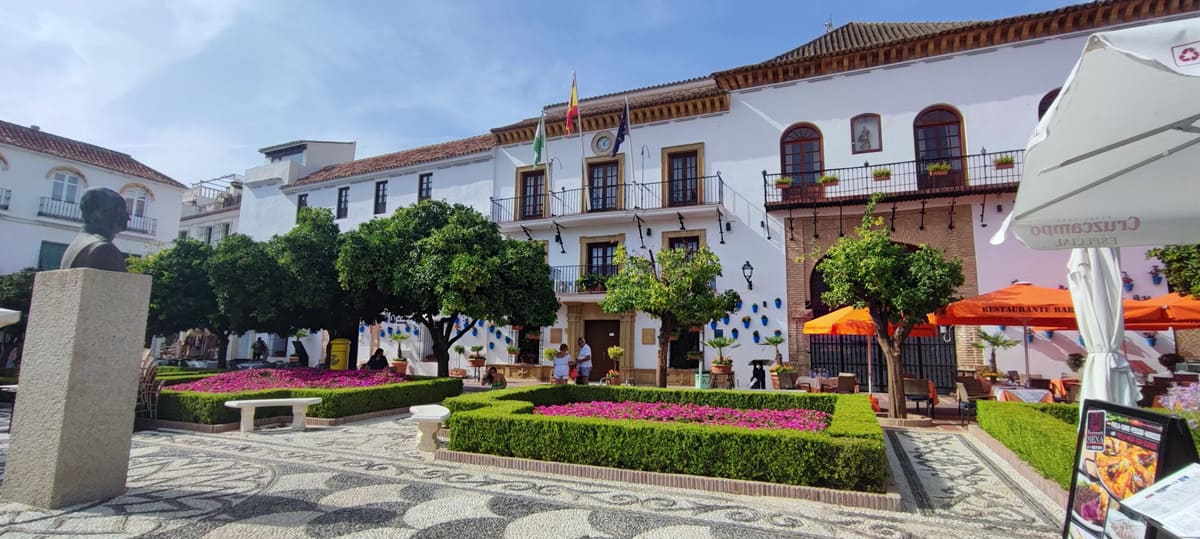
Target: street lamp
[748,272]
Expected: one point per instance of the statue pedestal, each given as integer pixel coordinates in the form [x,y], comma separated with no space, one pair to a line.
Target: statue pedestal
[73,418]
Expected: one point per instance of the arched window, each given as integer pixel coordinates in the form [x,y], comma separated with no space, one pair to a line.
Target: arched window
[67,187]
[135,201]
[800,153]
[938,131]
[1047,100]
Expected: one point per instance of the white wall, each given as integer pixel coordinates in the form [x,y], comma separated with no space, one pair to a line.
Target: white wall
[321,154]
[23,230]
[266,211]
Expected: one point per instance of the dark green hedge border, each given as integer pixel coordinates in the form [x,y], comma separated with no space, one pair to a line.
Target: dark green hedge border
[849,455]
[209,408]
[1043,435]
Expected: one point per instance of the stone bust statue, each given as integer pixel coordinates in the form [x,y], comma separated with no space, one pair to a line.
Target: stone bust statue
[104,215]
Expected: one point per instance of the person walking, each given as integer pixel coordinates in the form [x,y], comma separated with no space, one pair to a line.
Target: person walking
[585,362]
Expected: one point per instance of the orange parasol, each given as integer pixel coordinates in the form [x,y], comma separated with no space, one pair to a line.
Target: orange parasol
[1178,312]
[1023,304]
[851,321]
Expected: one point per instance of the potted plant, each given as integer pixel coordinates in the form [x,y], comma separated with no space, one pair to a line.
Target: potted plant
[990,374]
[746,322]
[674,336]
[591,282]
[776,341]
[476,359]
[512,352]
[828,179]
[694,355]
[938,169]
[782,377]
[459,372]
[399,365]
[549,353]
[615,353]
[994,341]
[612,377]
[882,174]
[1003,162]
[783,182]
[1156,275]
[721,364]
[1075,361]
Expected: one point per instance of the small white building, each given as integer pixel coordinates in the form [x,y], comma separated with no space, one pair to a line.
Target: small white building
[42,176]
[210,209]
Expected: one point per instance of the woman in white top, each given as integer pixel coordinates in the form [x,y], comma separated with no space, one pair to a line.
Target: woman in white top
[562,365]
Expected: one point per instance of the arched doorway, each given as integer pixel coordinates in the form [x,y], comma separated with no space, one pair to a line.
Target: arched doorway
[934,357]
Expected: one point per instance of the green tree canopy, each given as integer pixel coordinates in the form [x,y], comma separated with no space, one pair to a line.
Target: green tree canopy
[1181,267]
[674,288]
[16,294]
[181,297]
[898,286]
[434,262]
[253,292]
[307,256]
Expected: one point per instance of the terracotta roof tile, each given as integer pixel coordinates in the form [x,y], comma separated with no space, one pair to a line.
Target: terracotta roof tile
[404,158]
[47,143]
[856,35]
[647,100]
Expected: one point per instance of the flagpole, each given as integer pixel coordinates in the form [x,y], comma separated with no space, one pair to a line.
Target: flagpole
[582,152]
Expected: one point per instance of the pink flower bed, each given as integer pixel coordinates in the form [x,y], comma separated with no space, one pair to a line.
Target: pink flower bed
[254,379]
[795,419]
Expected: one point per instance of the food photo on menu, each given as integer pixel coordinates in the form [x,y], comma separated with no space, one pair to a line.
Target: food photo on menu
[1119,458]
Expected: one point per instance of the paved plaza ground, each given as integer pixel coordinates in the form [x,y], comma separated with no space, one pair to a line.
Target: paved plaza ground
[367,479]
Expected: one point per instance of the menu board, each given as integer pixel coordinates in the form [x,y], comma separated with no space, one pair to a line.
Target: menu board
[1121,451]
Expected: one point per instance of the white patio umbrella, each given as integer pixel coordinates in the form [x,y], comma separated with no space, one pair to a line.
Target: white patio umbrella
[1094,278]
[9,317]
[1114,161]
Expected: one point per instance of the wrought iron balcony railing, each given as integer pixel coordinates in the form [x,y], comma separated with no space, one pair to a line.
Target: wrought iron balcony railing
[581,279]
[905,180]
[703,191]
[61,209]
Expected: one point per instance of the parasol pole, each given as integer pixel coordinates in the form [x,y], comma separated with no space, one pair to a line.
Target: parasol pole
[1025,339]
[870,352]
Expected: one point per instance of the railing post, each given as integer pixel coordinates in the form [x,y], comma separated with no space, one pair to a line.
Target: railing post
[720,189]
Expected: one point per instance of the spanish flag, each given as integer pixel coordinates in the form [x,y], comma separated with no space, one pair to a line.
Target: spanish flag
[572,104]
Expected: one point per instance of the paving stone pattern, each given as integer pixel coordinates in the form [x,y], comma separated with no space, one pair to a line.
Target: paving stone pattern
[366,480]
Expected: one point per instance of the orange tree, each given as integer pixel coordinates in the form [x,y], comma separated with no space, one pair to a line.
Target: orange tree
[675,289]
[899,288]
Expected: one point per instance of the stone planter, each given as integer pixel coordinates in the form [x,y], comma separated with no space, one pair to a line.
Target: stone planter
[476,361]
[458,373]
[400,366]
[722,369]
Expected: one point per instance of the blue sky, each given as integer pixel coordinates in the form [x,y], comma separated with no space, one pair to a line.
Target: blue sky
[195,87]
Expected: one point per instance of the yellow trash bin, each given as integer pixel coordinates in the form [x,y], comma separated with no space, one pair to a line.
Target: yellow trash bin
[339,354]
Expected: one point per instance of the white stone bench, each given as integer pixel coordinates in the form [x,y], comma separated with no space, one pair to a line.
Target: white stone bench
[299,409]
[429,418]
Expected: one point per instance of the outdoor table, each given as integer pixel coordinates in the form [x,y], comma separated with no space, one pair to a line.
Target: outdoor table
[1020,394]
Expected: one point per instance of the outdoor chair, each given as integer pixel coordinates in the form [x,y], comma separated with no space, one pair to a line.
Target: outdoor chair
[1072,394]
[846,383]
[975,389]
[1039,383]
[1014,377]
[1149,392]
[917,391]
[966,402]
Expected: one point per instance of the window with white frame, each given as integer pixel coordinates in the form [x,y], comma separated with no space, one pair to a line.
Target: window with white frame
[135,202]
[66,187]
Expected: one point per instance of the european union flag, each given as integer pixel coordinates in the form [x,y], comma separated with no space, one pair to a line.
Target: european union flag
[622,129]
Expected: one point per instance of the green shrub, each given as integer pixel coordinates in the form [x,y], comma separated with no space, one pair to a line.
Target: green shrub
[167,369]
[1037,434]
[10,373]
[209,408]
[183,378]
[7,381]
[848,455]
[1066,412]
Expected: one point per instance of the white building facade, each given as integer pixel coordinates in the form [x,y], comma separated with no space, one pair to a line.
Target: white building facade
[42,177]
[699,168]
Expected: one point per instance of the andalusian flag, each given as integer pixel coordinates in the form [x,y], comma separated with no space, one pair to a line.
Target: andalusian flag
[572,104]
[539,140]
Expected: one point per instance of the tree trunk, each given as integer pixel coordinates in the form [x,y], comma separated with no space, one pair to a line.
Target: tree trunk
[664,343]
[993,365]
[895,368]
[222,351]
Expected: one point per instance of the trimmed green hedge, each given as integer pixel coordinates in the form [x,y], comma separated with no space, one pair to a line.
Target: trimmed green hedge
[168,370]
[1039,436]
[848,455]
[175,379]
[209,408]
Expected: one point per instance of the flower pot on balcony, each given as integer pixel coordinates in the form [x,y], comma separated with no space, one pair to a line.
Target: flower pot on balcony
[939,173]
[1003,166]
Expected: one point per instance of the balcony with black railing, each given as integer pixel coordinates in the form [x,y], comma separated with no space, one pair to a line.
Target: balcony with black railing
[906,180]
[69,211]
[634,196]
[583,279]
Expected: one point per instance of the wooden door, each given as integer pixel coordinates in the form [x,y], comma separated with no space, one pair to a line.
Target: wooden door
[601,334]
